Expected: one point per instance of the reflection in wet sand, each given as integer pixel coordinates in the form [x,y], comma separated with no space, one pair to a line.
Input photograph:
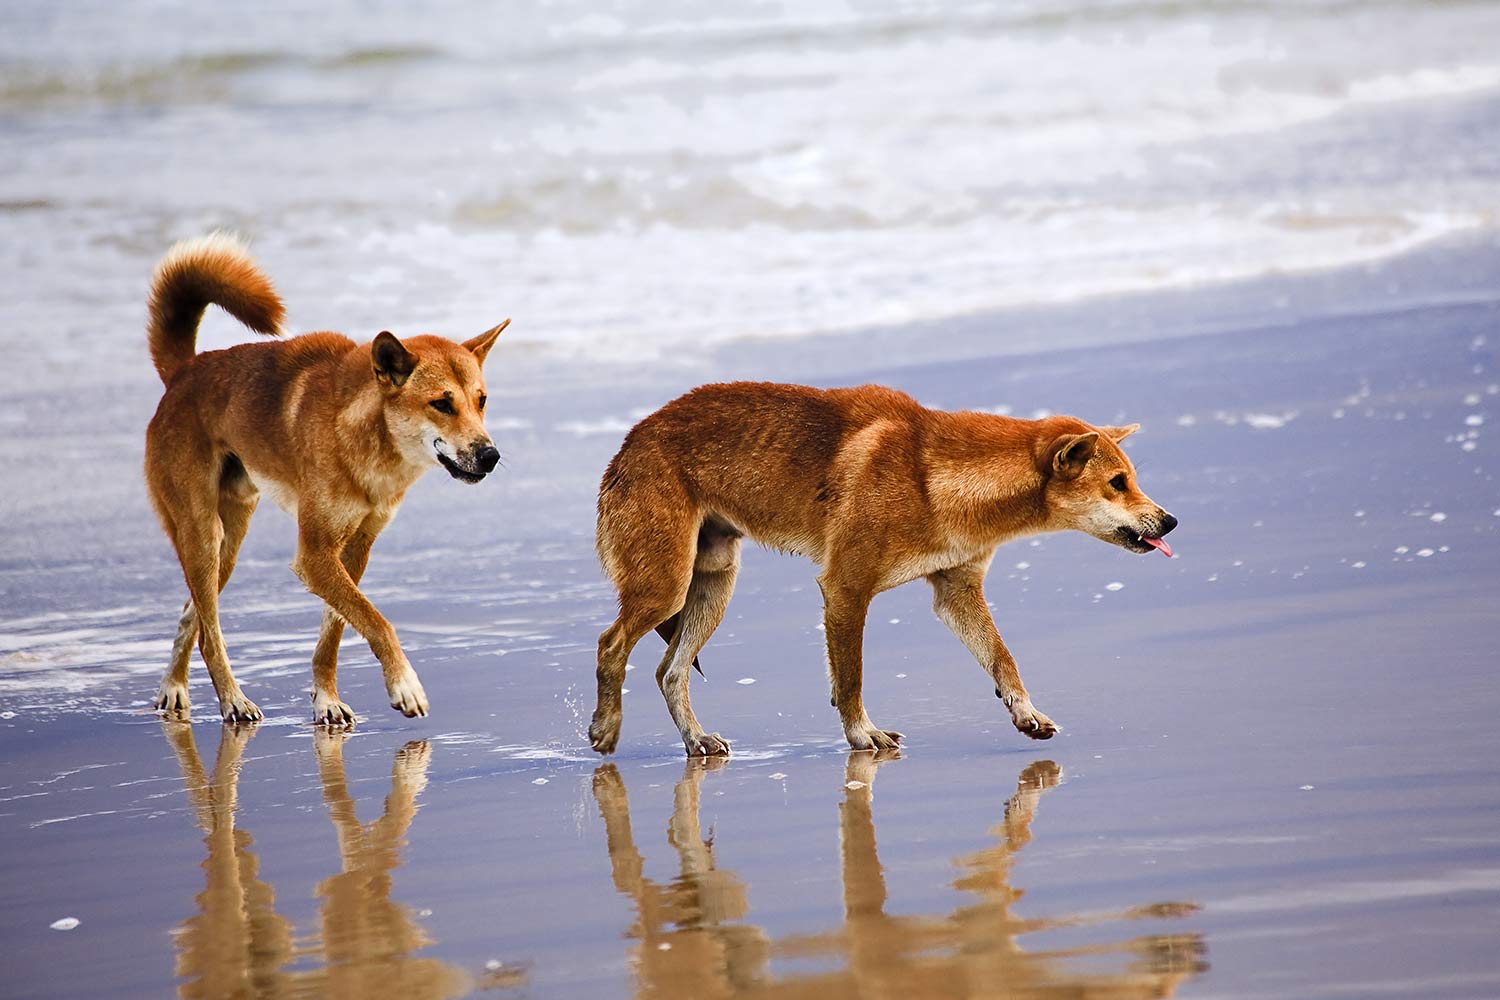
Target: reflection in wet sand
[690,944]
[238,945]
[692,940]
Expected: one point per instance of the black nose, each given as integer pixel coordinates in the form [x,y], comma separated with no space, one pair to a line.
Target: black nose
[1168,522]
[489,457]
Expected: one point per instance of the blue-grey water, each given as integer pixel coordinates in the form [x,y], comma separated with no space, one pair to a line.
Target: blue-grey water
[637,180]
[1265,231]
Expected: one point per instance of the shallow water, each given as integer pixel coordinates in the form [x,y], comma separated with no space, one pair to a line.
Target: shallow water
[1277,774]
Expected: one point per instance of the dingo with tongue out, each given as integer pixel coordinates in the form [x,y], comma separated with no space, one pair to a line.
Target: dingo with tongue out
[1093,488]
[876,489]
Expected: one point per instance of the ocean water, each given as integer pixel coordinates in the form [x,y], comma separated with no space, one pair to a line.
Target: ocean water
[638,180]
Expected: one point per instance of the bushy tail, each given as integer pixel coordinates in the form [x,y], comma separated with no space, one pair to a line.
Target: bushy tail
[214,269]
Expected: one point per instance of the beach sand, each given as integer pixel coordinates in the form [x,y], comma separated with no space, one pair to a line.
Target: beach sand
[1278,774]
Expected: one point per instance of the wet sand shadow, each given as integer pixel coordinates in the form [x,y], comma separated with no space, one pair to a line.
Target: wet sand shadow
[238,945]
[693,941]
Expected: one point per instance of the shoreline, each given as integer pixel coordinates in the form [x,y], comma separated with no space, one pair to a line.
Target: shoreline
[539,413]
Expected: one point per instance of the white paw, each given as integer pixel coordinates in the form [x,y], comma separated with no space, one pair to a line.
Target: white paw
[329,711]
[171,697]
[407,696]
[238,708]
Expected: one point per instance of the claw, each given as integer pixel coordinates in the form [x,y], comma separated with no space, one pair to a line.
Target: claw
[238,708]
[708,745]
[329,711]
[1028,721]
[407,695]
[867,737]
[604,732]
[171,698]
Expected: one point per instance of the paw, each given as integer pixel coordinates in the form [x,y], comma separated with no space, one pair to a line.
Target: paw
[171,698]
[866,737]
[861,766]
[706,745]
[238,708]
[1029,722]
[409,770]
[604,731]
[1041,775]
[407,696]
[329,711]
[328,741]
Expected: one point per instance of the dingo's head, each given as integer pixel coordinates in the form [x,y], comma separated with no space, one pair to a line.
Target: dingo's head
[434,400]
[1090,486]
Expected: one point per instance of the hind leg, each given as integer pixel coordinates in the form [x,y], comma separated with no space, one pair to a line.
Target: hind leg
[203,585]
[172,695]
[707,597]
[199,536]
[237,501]
[667,630]
[652,576]
[641,609]
[615,645]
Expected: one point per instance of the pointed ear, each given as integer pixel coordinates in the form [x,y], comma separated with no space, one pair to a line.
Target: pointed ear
[393,362]
[1071,452]
[1118,434]
[480,345]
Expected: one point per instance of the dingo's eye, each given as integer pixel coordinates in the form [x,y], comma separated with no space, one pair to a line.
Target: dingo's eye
[482,400]
[1118,483]
[444,405]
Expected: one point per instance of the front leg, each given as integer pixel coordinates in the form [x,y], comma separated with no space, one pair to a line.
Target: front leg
[844,610]
[328,708]
[958,599]
[324,573]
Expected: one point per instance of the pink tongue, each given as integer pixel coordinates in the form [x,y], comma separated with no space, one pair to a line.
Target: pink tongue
[1166,549]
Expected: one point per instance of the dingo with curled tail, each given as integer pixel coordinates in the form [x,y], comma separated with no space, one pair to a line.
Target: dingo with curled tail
[335,431]
[876,489]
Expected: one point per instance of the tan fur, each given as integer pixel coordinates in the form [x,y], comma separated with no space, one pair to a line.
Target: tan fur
[335,431]
[367,944]
[874,488]
[695,934]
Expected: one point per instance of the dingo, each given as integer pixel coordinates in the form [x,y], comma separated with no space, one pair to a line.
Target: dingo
[335,431]
[876,489]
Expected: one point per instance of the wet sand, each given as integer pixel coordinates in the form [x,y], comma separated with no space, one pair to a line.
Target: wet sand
[1279,772]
